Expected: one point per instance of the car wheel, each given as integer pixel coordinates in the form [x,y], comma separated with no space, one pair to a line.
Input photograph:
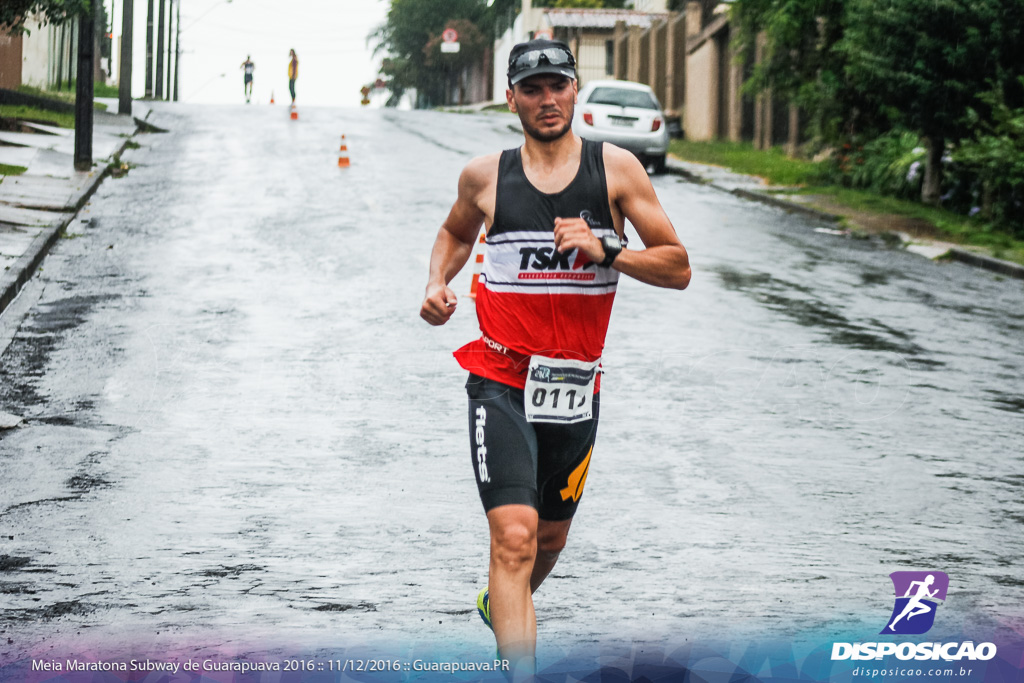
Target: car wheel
[659,164]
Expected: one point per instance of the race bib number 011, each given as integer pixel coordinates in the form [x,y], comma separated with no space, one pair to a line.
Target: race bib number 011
[559,390]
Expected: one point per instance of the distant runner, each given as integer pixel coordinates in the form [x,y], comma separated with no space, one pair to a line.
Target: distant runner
[249,67]
[293,73]
[553,210]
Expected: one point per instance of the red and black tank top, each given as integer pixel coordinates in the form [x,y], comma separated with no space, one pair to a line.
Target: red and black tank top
[532,300]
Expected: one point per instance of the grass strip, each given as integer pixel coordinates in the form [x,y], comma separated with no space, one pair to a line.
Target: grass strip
[741,157]
[65,96]
[950,226]
[68,96]
[774,166]
[104,90]
[11,111]
[8,169]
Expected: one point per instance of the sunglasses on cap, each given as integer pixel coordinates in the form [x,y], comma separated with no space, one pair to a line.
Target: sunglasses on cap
[555,56]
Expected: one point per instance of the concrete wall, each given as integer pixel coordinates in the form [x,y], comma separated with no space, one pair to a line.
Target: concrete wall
[10,61]
[675,54]
[656,59]
[689,61]
[643,53]
[502,48]
[36,60]
[475,82]
[700,119]
[591,57]
[651,5]
[655,56]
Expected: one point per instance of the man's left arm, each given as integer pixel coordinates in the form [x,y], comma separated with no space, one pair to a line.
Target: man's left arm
[663,262]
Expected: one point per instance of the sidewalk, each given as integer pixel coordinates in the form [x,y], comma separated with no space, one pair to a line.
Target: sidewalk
[755,189]
[37,205]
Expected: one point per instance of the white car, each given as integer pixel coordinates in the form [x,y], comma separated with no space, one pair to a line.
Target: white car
[625,114]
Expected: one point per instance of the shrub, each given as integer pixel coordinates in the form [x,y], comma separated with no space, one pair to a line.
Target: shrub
[891,164]
[995,156]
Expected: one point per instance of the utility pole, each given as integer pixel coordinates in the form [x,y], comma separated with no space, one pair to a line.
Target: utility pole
[124,79]
[110,59]
[149,50]
[60,56]
[170,48]
[160,31]
[99,36]
[84,91]
[72,52]
[177,52]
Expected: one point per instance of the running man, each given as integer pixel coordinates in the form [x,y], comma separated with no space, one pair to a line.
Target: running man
[293,73]
[553,210]
[915,605]
[248,68]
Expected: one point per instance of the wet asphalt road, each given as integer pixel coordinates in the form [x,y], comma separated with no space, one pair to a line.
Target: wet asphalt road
[240,435]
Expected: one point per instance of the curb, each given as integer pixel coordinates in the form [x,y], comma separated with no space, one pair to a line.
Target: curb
[755,196]
[692,177]
[783,204]
[25,267]
[987,262]
[995,265]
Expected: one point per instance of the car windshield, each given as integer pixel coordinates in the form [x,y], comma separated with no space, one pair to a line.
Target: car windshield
[620,97]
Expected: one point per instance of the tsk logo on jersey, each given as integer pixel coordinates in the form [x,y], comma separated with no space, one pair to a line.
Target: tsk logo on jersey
[547,263]
[918,595]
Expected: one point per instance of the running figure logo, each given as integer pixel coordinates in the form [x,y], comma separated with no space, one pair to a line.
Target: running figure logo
[918,594]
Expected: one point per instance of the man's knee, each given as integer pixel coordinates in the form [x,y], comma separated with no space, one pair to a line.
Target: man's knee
[551,540]
[514,541]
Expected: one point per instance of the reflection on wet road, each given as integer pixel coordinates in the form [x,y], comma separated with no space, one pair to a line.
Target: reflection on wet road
[239,432]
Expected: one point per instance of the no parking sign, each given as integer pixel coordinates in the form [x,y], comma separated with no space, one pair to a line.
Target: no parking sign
[450,40]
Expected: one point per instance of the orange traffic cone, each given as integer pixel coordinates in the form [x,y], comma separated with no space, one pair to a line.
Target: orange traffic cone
[479,264]
[271,96]
[343,161]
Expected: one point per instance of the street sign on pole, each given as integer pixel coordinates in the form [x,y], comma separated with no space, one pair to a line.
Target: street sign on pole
[450,41]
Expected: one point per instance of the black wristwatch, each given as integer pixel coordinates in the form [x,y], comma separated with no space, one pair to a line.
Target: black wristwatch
[612,248]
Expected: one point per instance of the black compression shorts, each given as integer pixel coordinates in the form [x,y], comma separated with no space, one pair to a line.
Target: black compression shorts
[543,465]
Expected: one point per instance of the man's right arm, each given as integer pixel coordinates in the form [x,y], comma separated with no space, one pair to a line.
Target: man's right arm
[454,243]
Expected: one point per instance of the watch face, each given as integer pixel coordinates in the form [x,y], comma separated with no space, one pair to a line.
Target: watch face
[612,247]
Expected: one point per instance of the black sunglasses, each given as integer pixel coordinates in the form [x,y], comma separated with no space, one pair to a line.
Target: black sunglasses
[555,56]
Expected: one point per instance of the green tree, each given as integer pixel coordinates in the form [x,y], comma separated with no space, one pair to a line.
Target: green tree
[800,63]
[922,63]
[583,4]
[14,12]
[996,156]
[412,26]
[410,39]
[473,43]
